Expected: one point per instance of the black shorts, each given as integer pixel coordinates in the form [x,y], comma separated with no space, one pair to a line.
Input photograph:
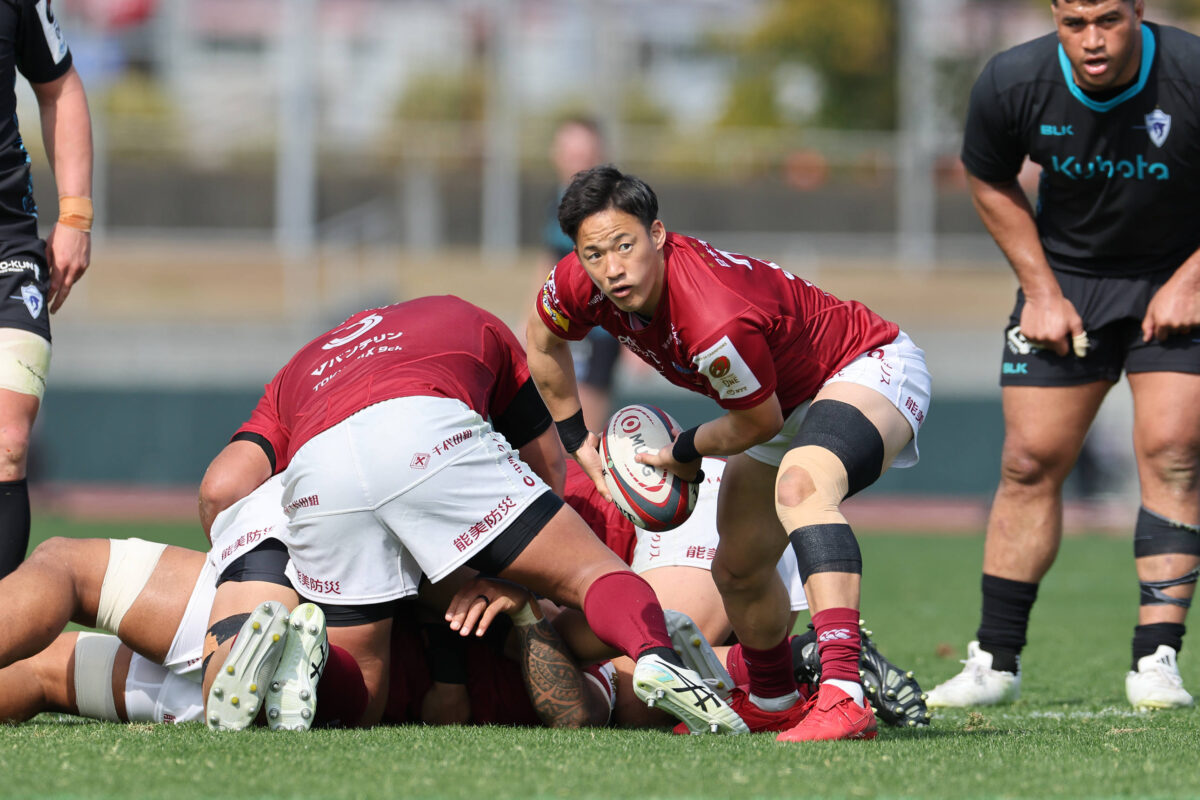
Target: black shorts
[1112,309]
[24,286]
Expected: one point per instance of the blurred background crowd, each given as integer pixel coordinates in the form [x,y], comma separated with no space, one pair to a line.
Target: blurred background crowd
[266,167]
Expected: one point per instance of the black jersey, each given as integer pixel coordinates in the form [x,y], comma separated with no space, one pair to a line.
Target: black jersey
[30,41]
[1120,185]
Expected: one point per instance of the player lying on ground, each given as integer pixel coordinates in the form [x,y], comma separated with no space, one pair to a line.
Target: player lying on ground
[411,441]
[678,565]
[157,598]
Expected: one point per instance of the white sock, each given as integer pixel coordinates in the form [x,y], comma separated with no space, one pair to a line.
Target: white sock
[775,703]
[852,688]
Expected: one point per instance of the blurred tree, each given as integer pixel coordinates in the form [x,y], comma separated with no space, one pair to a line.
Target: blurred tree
[445,97]
[850,44]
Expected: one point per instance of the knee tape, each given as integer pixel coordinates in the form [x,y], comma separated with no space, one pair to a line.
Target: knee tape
[95,654]
[846,432]
[1155,535]
[131,562]
[830,484]
[826,548]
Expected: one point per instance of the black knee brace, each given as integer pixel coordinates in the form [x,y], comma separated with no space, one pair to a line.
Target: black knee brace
[847,433]
[826,548]
[1156,535]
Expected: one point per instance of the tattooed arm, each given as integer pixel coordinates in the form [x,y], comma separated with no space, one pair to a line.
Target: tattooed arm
[552,678]
[560,695]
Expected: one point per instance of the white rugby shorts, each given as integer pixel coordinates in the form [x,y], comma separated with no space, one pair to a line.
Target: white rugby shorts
[154,693]
[694,543]
[897,371]
[187,648]
[407,486]
[246,524]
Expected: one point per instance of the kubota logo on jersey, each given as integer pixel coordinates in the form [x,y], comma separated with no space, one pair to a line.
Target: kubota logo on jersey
[1100,167]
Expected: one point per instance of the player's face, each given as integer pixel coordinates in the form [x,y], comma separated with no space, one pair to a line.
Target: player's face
[623,258]
[575,149]
[1102,40]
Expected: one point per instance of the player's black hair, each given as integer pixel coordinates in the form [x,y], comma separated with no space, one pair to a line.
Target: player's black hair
[600,188]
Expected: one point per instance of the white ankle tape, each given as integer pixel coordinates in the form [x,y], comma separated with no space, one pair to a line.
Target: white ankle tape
[94,657]
[131,562]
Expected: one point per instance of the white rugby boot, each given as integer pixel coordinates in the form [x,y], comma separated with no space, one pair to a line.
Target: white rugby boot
[238,690]
[292,696]
[977,685]
[1156,684]
[696,653]
[683,694]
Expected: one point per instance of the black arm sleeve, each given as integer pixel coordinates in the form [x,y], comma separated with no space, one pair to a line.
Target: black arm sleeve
[41,51]
[992,151]
[526,417]
[261,441]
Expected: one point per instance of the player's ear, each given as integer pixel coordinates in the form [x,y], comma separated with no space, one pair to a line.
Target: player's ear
[658,234]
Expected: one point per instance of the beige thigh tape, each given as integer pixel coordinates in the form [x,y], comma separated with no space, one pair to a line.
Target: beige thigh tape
[94,657]
[24,362]
[131,562]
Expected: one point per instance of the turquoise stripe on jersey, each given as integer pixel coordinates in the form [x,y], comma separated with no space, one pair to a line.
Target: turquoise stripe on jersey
[1148,46]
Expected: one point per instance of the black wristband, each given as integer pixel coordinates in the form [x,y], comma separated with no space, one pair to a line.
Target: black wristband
[684,451]
[572,431]
[699,477]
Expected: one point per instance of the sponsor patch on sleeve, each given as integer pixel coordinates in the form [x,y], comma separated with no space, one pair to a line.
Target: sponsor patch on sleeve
[727,371]
[550,305]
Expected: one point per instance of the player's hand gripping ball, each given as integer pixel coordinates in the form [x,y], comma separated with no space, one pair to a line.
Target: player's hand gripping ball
[652,498]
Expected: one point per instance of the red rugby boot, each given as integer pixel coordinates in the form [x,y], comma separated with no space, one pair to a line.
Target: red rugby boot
[758,720]
[832,714]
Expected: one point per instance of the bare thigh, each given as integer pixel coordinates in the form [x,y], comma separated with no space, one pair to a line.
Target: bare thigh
[752,540]
[563,560]
[150,625]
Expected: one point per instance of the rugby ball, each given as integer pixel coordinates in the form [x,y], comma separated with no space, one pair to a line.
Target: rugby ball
[651,498]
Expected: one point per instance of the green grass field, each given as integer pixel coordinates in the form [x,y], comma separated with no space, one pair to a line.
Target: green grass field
[1072,734]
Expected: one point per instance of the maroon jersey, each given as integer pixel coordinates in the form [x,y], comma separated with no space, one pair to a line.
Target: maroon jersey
[727,326]
[430,347]
[494,685]
[610,525]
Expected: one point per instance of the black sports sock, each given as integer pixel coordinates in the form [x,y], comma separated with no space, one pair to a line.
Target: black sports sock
[1004,620]
[14,524]
[665,653]
[1147,638]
